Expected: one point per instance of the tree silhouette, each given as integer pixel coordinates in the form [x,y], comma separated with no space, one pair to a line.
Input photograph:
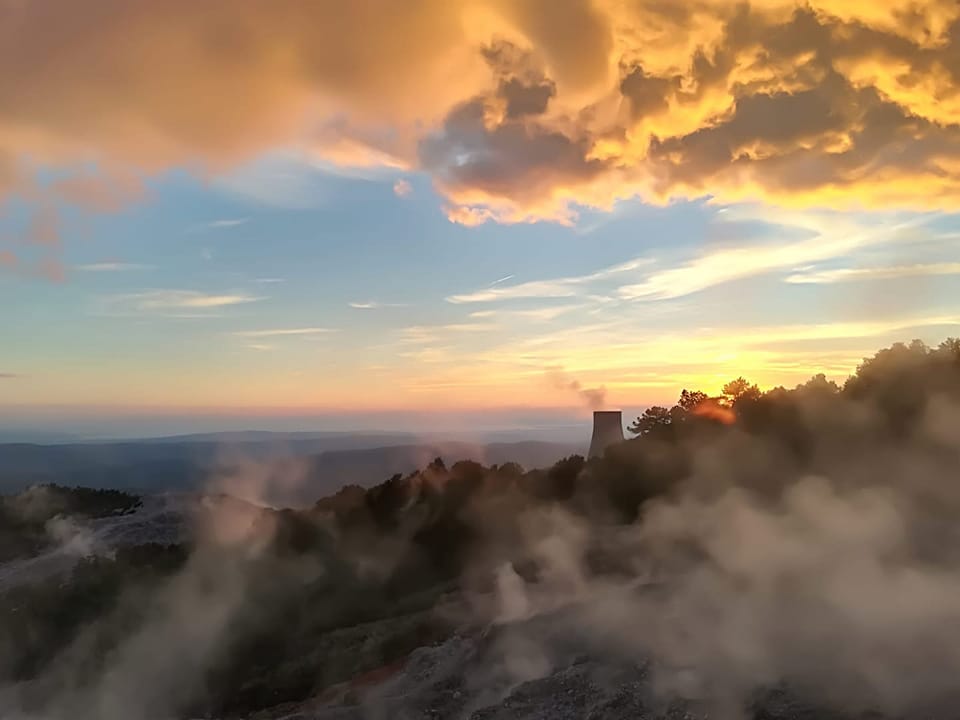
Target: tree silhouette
[819,384]
[652,418]
[690,399]
[950,348]
[740,389]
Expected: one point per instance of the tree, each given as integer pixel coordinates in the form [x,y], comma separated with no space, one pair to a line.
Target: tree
[950,349]
[652,418]
[561,480]
[819,384]
[740,389]
[690,399]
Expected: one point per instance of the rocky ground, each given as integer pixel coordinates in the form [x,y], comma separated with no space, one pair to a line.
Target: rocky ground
[163,518]
[541,668]
[547,667]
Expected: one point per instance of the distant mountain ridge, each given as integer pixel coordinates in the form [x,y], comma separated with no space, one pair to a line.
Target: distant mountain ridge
[273,436]
[295,470]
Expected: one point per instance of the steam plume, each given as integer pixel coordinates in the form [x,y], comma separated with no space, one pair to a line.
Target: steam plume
[595,398]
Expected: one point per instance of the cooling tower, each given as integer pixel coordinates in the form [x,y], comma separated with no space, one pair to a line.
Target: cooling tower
[607,431]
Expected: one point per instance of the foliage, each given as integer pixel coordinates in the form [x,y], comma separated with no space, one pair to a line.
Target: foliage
[740,390]
[691,400]
[41,619]
[653,418]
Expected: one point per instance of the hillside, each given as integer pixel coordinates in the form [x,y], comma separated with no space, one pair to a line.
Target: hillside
[767,555]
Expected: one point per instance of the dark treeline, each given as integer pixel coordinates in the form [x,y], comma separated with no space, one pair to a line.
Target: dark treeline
[353,584]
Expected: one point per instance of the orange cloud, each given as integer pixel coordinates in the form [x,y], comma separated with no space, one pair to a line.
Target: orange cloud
[9,173]
[103,191]
[44,228]
[519,109]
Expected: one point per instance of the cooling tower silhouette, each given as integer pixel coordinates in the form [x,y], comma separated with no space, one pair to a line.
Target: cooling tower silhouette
[607,431]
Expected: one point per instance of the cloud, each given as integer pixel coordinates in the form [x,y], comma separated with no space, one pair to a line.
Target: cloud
[542,314]
[44,228]
[556,288]
[110,267]
[80,188]
[9,376]
[103,191]
[270,280]
[831,237]
[402,188]
[519,111]
[640,363]
[10,174]
[504,172]
[167,81]
[223,223]
[760,336]
[191,299]
[47,267]
[227,223]
[173,303]
[877,273]
[279,332]
[431,334]
[285,179]
[563,287]
[373,305]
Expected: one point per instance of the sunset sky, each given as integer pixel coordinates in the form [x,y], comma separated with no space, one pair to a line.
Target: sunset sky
[282,206]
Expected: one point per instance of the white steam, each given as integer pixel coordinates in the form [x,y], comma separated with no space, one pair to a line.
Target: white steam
[844,585]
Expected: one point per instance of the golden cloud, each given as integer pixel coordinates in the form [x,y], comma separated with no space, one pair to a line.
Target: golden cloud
[518,109]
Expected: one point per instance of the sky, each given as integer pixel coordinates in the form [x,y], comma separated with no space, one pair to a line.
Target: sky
[290,209]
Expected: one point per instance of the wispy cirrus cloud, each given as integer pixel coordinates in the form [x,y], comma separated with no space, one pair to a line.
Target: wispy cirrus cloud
[219,224]
[110,267]
[286,179]
[227,223]
[837,275]
[426,334]
[373,305]
[281,332]
[189,299]
[555,288]
[10,376]
[542,313]
[765,336]
[831,237]
[172,303]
